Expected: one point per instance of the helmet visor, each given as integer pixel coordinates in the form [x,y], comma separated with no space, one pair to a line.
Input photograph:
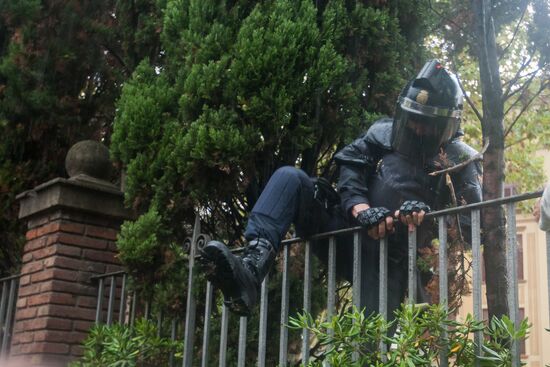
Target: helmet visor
[415,134]
[409,105]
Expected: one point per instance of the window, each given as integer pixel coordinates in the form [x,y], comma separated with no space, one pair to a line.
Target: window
[519,241]
[519,258]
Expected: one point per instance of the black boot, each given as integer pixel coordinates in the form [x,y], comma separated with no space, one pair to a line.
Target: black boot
[239,278]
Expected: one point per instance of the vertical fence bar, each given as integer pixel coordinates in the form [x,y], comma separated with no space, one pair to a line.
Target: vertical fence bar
[242,342]
[147,312]
[160,318]
[331,285]
[173,336]
[122,309]
[512,269]
[443,286]
[383,279]
[476,263]
[307,300]
[412,266]
[9,317]
[262,333]
[111,304]
[207,316]
[3,302]
[357,257]
[133,309]
[223,336]
[189,336]
[99,307]
[383,288]
[331,297]
[283,340]
[356,295]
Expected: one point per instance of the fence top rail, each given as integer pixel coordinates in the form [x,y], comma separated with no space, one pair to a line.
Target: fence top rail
[10,277]
[435,214]
[484,204]
[107,275]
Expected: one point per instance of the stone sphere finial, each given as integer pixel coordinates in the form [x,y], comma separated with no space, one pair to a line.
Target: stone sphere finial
[90,158]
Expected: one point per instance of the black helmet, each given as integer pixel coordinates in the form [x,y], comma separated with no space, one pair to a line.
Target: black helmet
[428,112]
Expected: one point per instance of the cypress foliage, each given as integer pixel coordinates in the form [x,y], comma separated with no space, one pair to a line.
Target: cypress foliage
[245,87]
[62,64]
[242,88]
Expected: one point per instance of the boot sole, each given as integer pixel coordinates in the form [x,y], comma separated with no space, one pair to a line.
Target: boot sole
[222,275]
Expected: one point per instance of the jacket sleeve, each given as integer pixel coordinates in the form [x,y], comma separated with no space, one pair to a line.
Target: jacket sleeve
[357,161]
[467,184]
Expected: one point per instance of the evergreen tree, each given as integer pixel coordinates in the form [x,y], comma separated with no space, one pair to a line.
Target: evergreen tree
[62,64]
[244,88]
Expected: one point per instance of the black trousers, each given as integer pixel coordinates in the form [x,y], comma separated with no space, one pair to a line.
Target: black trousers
[289,198]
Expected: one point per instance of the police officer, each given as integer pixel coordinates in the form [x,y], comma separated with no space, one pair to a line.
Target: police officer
[384,179]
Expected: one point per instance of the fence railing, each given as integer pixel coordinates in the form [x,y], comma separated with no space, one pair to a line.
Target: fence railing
[126,311]
[8,299]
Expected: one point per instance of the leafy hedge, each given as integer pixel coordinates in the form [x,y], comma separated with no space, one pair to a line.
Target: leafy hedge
[419,339]
[124,346]
[415,338]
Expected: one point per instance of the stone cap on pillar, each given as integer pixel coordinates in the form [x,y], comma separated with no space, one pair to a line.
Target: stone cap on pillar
[86,189]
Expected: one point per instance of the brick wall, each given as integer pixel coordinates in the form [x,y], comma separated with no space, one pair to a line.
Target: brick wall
[72,227]
[56,304]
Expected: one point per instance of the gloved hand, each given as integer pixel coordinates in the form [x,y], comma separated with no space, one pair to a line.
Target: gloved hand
[378,221]
[412,213]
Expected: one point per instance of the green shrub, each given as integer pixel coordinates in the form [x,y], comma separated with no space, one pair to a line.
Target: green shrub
[355,339]
[139,243]
[124,346]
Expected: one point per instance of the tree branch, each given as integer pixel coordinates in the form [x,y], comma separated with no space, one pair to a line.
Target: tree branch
[449,183]
[516,77]
[515,32]
[525,86]
[468,99]
[443,17]
[541,88]
[516,142]
[521,76]
[476,157]
[118,58]
[470,102]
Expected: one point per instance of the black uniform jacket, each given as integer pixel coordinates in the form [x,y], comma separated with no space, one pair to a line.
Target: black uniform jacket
[371,172]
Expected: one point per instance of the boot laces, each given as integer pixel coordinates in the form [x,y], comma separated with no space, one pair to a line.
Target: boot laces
[251,258]
[253,255]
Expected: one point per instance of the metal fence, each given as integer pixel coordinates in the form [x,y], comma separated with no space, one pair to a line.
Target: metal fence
[8,300]
[108,312]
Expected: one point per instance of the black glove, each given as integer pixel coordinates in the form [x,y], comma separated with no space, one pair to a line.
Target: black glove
[372,216]
[413,206]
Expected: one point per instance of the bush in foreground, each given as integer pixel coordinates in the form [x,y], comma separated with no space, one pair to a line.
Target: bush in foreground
[124,346]
[422,334]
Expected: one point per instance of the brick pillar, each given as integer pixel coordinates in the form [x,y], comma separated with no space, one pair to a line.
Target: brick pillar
[72,228]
